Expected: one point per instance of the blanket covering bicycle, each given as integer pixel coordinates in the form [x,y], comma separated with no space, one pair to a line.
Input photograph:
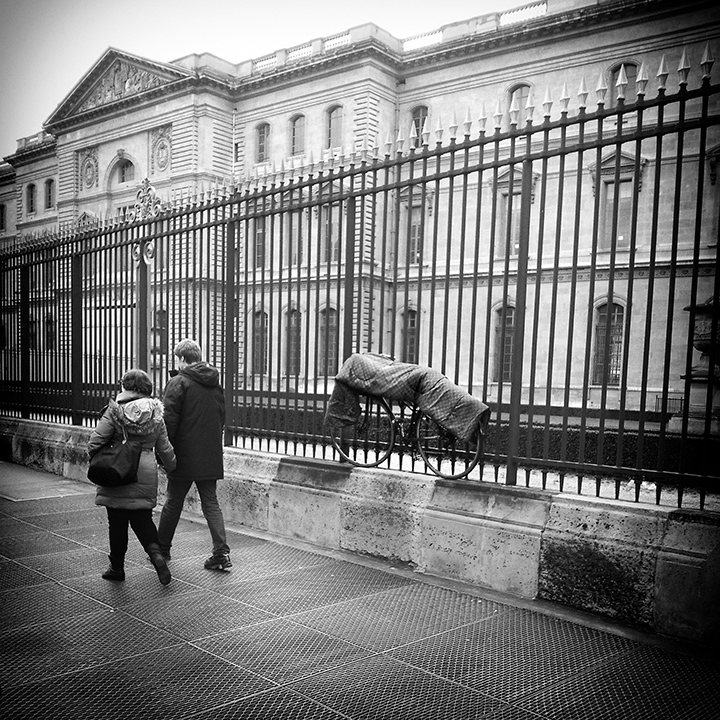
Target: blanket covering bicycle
[449,405]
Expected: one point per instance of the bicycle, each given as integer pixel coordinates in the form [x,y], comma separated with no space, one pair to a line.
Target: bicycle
[371,441]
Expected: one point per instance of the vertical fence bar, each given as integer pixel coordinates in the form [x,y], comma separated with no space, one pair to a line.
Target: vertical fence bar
[229,329]
[519,325]
[76,338]
[348,304]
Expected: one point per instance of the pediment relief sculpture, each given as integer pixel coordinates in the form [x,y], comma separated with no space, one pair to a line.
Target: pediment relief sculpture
[121,80]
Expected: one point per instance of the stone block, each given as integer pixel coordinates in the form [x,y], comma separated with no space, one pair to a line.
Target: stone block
[600,556]
[382,514]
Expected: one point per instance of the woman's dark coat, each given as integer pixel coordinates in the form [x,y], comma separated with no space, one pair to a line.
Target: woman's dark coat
[142,418]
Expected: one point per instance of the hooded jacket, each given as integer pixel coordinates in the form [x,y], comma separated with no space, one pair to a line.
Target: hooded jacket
[142,418]
[195,416]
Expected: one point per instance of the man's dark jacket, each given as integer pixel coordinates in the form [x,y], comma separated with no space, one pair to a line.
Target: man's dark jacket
[195,416]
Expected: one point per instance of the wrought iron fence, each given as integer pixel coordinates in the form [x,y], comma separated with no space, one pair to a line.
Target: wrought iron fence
[558,271]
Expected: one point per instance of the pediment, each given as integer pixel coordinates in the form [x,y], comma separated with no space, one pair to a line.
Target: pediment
[115,77]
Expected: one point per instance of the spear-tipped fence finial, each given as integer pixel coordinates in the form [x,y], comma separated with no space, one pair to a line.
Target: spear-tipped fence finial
[662,74]
[426,133]
[601,89]
[621,84]
[498,116]
[467,123]
[684,69]
[582,94]
[514,111]
[482,120]
[641,81]
[413,136]
[453,126]
[438,132]
[707,61]
[529,107]
[547,103]
[564,99]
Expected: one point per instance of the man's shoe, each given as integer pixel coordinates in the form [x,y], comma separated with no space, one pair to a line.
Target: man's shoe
[218,562]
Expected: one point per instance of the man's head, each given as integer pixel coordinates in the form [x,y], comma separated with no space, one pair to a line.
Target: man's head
[137,381]
[187,352]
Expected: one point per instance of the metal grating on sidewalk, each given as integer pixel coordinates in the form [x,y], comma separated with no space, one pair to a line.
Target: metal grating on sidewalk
[291,634]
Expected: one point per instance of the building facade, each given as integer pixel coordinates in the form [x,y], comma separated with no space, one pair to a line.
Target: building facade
[619,235]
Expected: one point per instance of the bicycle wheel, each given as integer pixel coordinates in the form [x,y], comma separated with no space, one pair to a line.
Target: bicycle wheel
[443,453]
[371,440]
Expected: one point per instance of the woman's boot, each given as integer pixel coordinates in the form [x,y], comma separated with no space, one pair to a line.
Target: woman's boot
[158,561]
[116,571]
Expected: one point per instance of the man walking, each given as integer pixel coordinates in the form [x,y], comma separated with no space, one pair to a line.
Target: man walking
[195,416]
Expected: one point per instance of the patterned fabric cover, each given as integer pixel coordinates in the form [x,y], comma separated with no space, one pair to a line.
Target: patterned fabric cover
[449,405]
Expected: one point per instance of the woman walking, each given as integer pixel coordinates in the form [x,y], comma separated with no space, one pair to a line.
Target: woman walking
[142,418]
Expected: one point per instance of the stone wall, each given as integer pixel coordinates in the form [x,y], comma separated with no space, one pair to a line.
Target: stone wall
[654,568]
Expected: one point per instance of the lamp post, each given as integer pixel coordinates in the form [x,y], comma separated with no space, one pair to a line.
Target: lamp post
[147,206]
[704,376]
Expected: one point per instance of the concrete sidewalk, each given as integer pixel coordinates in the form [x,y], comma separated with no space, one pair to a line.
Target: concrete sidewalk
[294,632]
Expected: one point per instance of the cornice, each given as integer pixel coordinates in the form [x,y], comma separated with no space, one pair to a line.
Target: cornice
[32,152]
[369,48]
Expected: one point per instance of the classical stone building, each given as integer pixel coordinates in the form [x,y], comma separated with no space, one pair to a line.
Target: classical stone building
[200,122]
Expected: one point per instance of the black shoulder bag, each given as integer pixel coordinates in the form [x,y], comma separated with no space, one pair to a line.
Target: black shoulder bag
[115,463]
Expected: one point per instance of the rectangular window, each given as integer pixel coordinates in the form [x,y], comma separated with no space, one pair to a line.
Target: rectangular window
[414,246]
[329,234]
[617,196]
[259,243]
[334,128]
[293,342]
[297,140]
[410,353]
[510,214]
[3,219]
[263,143]
[49,194]
[328,336]
[259,355]
[293,249]
[504,342]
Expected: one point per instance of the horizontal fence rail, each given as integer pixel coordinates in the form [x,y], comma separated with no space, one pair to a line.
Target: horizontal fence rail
[563,273]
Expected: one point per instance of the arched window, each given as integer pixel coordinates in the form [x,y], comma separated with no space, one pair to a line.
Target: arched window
[262,143]
[333,130]
[292,362]
[260,342]
[297,135]
[410,336]
[517,100]
[504,342]
[419,116]
[125,172]
[609,324]
[630,92]
[328,338]
[31,198]
[49,194]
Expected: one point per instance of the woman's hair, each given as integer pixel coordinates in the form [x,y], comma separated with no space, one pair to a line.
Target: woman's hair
[137,381]
[189,350]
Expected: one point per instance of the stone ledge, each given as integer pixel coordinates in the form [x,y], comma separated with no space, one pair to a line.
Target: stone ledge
[653,567]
